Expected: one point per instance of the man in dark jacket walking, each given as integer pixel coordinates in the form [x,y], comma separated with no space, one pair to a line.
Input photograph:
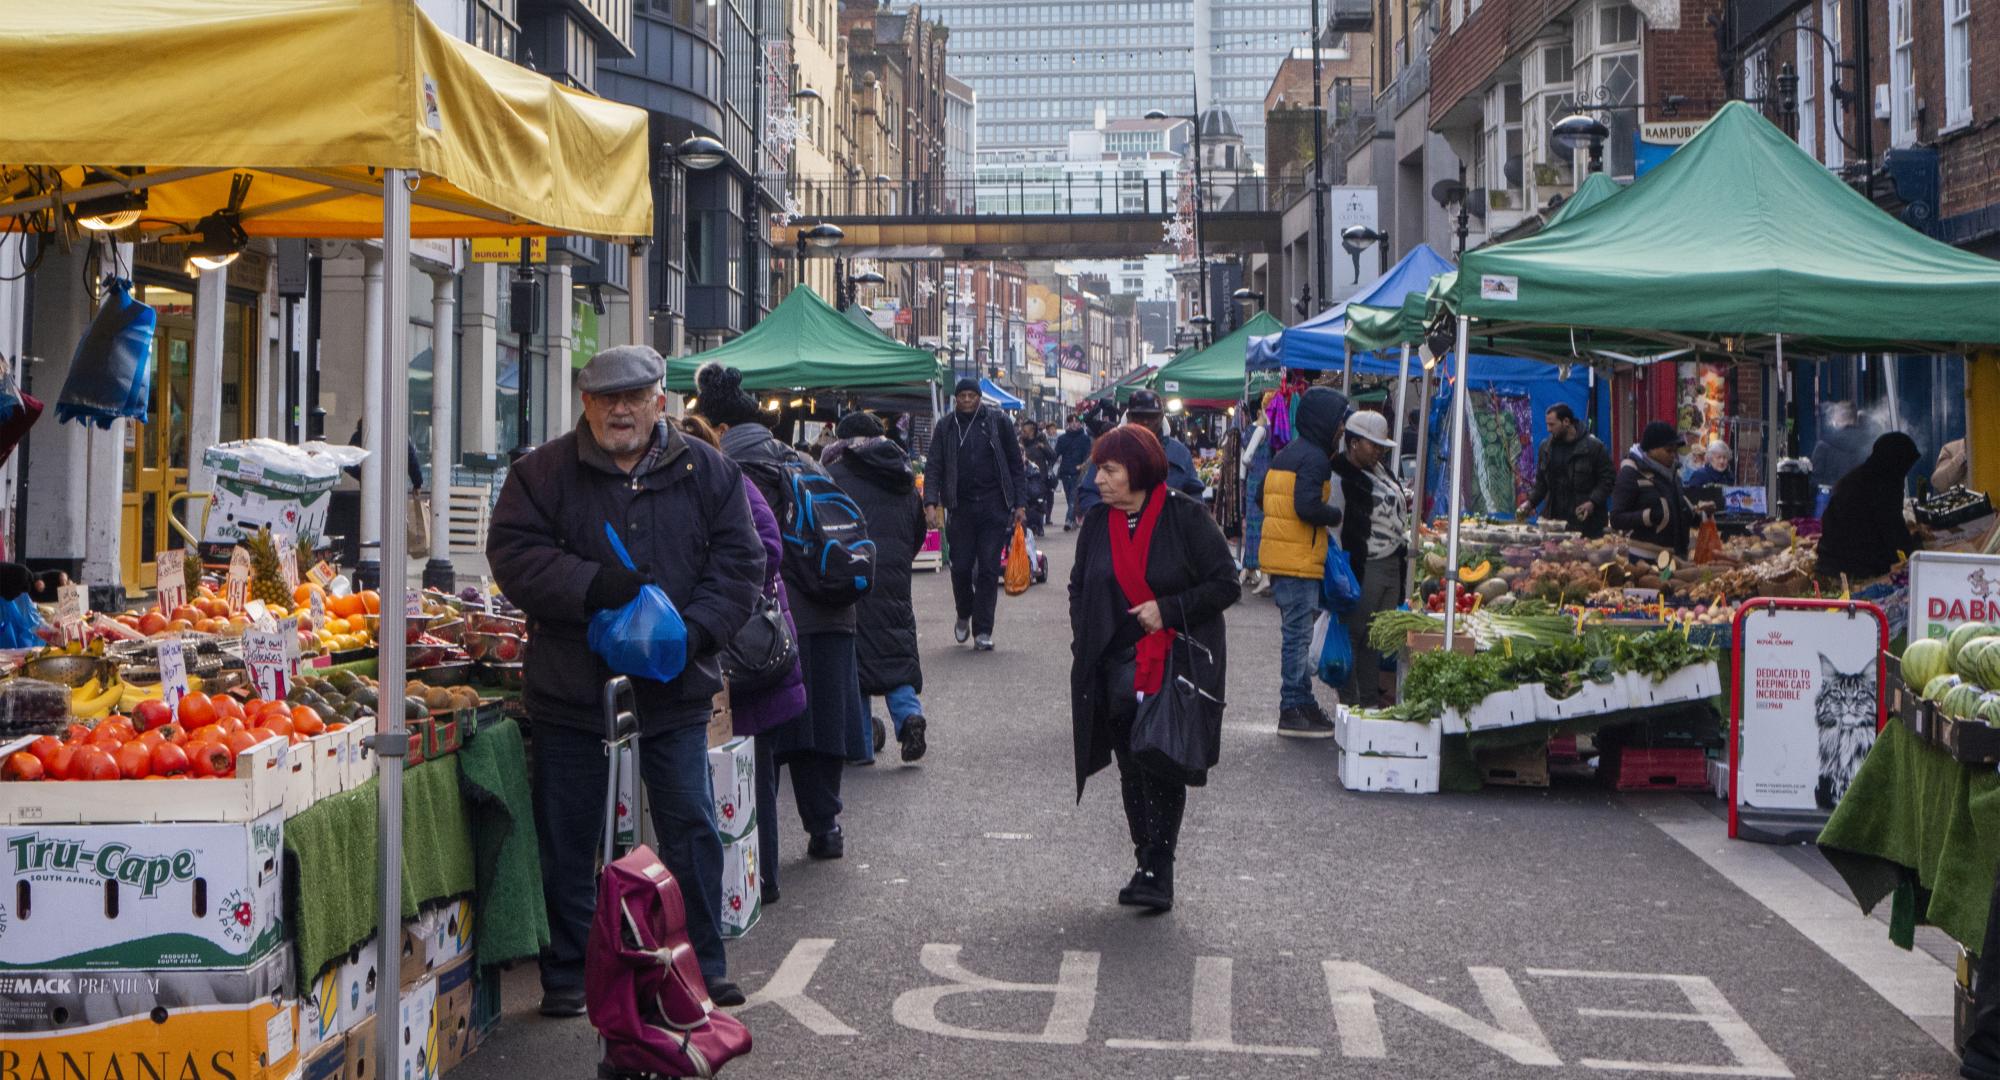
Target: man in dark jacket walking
[1072,450]
[975,473]
[680,510]
[875,473]
[1573,475]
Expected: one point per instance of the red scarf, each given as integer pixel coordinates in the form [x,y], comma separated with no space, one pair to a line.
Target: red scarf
[1129,548]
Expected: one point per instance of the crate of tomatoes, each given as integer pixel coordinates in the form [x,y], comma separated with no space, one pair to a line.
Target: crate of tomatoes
[211,758]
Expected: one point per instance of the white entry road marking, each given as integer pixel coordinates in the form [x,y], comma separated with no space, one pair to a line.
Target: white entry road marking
[1074,993]
[1514,1032]
[1911,981]
[1212,1027]
[787,989]
[1753,1057]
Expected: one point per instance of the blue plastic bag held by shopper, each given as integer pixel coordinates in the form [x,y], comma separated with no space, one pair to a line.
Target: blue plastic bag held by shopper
[111,373]
[1333,656]
[1339,589]
[18,622]
[646,638]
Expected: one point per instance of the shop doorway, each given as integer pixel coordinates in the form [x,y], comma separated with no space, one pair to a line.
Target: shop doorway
[156,453]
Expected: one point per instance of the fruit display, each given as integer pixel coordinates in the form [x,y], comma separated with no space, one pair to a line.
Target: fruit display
[267,578]
[200,739]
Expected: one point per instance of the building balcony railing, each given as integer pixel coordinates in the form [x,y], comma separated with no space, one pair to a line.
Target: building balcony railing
[1414,81]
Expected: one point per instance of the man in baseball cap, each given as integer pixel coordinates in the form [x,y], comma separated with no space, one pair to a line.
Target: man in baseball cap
[1144,409]
[1647,501]
[1375,532]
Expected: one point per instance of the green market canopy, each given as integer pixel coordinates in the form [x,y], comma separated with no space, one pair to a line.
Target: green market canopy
[1215,373]
[1595,188]
[1736,238]
[804,344]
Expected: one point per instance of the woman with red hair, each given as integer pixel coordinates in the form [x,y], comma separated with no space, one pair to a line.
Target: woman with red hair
[1147,591]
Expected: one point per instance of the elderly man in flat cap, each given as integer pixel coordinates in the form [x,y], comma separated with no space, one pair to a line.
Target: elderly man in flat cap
[679,508]
[975,474]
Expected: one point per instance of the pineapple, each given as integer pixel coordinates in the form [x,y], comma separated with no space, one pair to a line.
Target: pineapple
[267,581]
[305,555]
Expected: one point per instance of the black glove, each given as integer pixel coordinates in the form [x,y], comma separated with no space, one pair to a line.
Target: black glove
[614,587]
[698,644]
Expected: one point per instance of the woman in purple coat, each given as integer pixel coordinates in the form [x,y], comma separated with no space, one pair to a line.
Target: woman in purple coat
[765,710]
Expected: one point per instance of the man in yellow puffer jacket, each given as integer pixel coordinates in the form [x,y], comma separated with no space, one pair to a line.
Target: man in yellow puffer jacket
[1300,507]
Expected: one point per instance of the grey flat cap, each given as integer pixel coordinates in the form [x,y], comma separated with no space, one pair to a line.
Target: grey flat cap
[626,367]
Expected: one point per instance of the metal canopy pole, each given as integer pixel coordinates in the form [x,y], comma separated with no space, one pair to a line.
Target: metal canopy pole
[1346,367]
[1458,406]
[438,572]
[391,430]
[1774,448]
[1402,393]
[1423,462]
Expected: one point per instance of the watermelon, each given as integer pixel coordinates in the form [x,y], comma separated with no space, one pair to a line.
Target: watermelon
[1979,662]
[1925,659]
[1963,635]
[1937,688]
[1989,709]
[1962,701]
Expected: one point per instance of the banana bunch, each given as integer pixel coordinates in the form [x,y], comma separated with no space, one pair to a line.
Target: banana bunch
[131,694]
[94,700]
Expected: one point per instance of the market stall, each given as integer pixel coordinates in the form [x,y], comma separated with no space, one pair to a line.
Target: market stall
[804,344]
[1216,376]
[113,112]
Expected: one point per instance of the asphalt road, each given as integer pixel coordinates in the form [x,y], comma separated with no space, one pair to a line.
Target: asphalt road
[971,931]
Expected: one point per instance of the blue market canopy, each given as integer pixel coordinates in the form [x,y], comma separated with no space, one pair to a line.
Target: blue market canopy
[994,395]
[1319,343]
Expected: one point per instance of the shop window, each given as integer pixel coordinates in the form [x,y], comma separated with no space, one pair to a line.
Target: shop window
[1808,61]
[1502,151]
[1607,71]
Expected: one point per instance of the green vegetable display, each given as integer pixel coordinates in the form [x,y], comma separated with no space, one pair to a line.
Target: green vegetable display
[1659,653]
[1451,680]
[1389,630]
[1563,666]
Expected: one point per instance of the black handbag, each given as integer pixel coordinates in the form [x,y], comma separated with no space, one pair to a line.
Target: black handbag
[1177,733]
[762,652]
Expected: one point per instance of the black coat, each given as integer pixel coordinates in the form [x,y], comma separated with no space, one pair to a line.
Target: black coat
[1570,473]
[1650,507]
[997,438]
[686,522]
[1862,533]
[875,473]
[1072,450]
[1193,577]
[753,444]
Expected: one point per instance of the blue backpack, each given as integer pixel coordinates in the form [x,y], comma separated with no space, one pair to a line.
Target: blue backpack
[827,548]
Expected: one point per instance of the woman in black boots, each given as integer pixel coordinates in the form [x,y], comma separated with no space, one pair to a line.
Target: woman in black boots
[1151,566]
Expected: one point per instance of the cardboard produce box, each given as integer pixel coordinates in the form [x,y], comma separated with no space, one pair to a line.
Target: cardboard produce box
[141,897]
[360,1050]
[262,483]
[742,886]
[455,1035]
[328,1062]
[258,787]
[1515,766]
[721,722]
[448,932]
[418,1041]
[732,772]
[229,1023]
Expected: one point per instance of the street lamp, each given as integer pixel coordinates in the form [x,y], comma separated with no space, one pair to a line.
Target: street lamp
[1244,295]
[852,282]
[1203,323]
[1356,239]
[1452,195]
[1200,192]
[700,153]
[1583,128]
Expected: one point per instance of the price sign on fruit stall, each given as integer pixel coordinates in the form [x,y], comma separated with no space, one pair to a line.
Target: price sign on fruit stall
[173,671]
[486,594]
[322,573]
[272,657]
[237,586]
[71,603]
[413,604]
[171,579]
[1949,589]
[288,561]
[318,600]
[1807,704]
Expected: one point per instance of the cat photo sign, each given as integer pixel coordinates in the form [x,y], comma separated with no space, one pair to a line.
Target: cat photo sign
[1807,703]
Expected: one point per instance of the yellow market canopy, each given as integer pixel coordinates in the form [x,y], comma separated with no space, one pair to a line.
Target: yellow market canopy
[311,98]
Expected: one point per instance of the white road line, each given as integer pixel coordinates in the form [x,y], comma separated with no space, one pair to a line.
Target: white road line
[1917,985]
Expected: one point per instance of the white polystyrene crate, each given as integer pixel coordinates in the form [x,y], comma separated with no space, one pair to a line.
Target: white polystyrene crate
[258,786]
[1404,775]
[1698,682]
[1592,699]
[1501,709]
[1390,738]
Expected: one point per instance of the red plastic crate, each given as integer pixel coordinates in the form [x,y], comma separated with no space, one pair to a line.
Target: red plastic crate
[1630,768]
